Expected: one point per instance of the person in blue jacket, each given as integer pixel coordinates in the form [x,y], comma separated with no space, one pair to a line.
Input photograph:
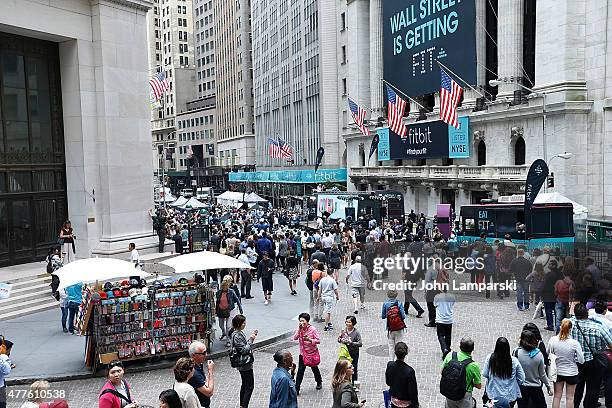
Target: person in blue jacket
[283,393]
[75,296]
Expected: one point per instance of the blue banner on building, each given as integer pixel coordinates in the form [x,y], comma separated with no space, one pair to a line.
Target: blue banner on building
[459,139]
[416,33]
[424,140]
[384,150]
[291,176]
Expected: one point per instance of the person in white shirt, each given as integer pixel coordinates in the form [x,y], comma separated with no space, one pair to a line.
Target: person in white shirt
[245,276]
[183,371]
[601,315]
[356,278]
[328,295]
[134,256]
[444,303]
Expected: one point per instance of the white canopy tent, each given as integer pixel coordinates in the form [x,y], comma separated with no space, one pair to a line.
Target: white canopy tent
[193,203]
[202,261]
[179,201]
[169,198]
[231,198]
[96,270]
[254,198]
[580,211]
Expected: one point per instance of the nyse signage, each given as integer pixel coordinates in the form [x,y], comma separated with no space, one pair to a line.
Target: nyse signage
[419,32]
[459,139]
[425,140]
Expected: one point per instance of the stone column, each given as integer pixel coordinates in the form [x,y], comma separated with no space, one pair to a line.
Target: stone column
[510,43]
[120,126]
[376,58]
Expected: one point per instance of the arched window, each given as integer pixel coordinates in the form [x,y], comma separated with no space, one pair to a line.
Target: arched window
[482,153]
[519,151]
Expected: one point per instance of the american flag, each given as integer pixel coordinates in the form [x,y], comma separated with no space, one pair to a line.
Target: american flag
[279,149]
[359,115]
[396,109]
[450,94]
[159,84]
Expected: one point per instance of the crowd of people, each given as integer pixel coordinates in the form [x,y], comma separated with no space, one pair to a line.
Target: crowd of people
[572,295]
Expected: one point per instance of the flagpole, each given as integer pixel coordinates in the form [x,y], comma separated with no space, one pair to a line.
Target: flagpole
[461,79]
[399,91]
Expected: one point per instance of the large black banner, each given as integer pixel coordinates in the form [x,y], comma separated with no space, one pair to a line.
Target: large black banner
[425,140]
[535,178]
[416,33]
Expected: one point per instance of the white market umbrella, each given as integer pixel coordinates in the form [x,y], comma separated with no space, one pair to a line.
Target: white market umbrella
[202,261]
[96,270]
[179,201]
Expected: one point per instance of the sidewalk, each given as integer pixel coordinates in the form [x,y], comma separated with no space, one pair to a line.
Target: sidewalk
[42,350]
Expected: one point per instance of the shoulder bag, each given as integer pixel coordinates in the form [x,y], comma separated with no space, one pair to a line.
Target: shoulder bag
[237,359]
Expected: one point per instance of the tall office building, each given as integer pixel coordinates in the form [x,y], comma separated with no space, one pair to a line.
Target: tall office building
[234,83]
[296,84]
[171,50]
[204,34]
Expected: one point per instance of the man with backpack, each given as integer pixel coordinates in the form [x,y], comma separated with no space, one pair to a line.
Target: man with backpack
[460,375]
[393,312]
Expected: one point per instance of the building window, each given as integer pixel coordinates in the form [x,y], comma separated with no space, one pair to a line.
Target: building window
[482,153]
[344,54]
[342,21]
[344,86]
[519,152]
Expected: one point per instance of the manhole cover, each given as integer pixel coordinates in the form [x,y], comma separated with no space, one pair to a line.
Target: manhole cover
[378,351]
[279,346]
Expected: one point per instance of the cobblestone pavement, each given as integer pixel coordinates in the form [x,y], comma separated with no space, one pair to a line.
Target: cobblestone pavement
[484,321]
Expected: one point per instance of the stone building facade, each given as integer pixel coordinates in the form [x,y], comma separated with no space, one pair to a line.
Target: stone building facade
[101,130]
[558,50]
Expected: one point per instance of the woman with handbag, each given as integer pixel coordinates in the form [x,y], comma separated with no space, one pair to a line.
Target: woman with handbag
[226,302]
[66,240]
[116,392]
[241,357]
[565,355]
[351,339]
[308,337]
[345,395]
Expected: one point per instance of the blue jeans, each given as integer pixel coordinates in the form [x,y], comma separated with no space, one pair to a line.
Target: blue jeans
[522,294]
[549,309]
[64,316]
[560,314]
[73,309]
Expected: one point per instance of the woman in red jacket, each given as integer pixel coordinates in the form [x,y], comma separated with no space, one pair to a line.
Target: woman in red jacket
[116,393]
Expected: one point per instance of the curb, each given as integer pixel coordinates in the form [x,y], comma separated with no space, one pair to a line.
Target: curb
[166,363]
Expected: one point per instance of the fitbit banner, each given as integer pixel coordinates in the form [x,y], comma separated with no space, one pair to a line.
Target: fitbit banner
[425,140]
[416,33]
[535,179]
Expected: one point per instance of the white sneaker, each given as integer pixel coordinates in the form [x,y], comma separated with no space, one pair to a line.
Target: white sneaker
[266,302]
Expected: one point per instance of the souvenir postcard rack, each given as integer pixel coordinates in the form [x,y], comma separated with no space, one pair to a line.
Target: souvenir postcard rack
[162,322]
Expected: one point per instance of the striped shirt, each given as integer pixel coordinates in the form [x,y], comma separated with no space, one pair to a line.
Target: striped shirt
[593,334]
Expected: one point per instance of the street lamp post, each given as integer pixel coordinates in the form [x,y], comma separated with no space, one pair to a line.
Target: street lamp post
[564,156]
